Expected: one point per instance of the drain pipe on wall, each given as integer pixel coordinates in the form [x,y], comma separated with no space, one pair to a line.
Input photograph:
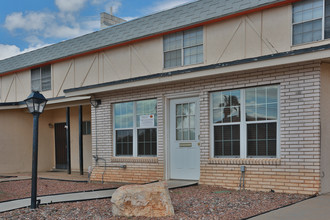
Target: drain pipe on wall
[95,103]
[242,178]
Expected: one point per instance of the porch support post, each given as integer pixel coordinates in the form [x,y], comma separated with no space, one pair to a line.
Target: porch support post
[68,149]
[81,150]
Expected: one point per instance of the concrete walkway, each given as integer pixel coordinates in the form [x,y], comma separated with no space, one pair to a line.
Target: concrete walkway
[54,175]
[78,196]
[314,208]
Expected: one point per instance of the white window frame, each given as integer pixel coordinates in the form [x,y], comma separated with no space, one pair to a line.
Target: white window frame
[41,79]
[135,132]
[243,126]
[182,48]
[323,25]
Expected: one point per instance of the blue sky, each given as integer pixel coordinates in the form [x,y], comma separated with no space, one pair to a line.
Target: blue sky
[26,25]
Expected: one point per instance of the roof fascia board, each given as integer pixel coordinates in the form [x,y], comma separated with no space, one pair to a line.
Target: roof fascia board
[51,101]
[189,74]
[97,50]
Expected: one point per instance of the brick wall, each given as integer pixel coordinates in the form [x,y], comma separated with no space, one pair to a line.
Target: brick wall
[296,171]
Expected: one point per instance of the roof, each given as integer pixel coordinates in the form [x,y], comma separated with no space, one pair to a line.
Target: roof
[161,22]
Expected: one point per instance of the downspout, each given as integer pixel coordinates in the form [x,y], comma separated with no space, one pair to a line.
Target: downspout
[95,103]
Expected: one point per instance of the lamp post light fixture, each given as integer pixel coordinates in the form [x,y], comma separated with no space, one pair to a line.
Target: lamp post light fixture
[35,103]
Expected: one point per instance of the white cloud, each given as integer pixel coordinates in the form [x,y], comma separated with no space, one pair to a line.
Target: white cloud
[28,21]
[7,51]
[40,26]
[129,18]
[98,2]
[167,4]
[70,5]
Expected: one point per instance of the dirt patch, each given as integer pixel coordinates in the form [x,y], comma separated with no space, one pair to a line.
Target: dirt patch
[22,188]
[195,202]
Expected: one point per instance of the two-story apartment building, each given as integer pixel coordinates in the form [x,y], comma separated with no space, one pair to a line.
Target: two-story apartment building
[195,93]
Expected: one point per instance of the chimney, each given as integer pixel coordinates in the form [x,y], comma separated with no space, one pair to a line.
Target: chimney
[108,20]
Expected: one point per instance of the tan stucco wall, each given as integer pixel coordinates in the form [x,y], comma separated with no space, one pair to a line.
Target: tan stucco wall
[325,128]
[16,140]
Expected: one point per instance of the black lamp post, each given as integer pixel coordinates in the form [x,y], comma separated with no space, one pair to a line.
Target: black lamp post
[36,103]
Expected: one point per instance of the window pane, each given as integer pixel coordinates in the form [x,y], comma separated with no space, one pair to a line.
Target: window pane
[261,112]
[173,41]
[250,113]
[193,37]
[193,55]
[185,121]
[192,122]
[147,142]
[307,20]
[227,140]
[35,80]
[172,59]
[252,148]
[46,78]
[272,94]
[192,108]
[261,95]
[146,107]
[327,20]
[218,115]
[261,103]
[250,96]
[226,106]
[271,111]
[124,143]
[307,32]
[261,139]
[124,115]
[179,122]
[185,109]
[192,135]
[86,128]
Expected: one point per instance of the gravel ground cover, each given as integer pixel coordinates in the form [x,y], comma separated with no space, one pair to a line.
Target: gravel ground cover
[195,202]
[22,188]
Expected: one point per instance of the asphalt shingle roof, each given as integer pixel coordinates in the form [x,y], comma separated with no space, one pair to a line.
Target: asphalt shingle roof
[179,17]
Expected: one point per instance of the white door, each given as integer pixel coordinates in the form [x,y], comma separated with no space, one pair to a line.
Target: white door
[184,139]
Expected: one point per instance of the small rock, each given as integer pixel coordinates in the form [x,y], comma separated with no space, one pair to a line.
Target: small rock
[150,200]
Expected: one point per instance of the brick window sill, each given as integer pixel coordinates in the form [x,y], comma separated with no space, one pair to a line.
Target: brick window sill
[245,161]
[134,159]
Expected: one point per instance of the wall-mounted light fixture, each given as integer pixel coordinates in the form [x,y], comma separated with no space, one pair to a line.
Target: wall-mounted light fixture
[95,102]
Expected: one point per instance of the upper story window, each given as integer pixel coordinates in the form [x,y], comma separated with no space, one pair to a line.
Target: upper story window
[183,48]
[245,122]
[135,128]
[41,79]
[311,21]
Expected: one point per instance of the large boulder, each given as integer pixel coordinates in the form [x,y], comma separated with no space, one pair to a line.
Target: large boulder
[149,200]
